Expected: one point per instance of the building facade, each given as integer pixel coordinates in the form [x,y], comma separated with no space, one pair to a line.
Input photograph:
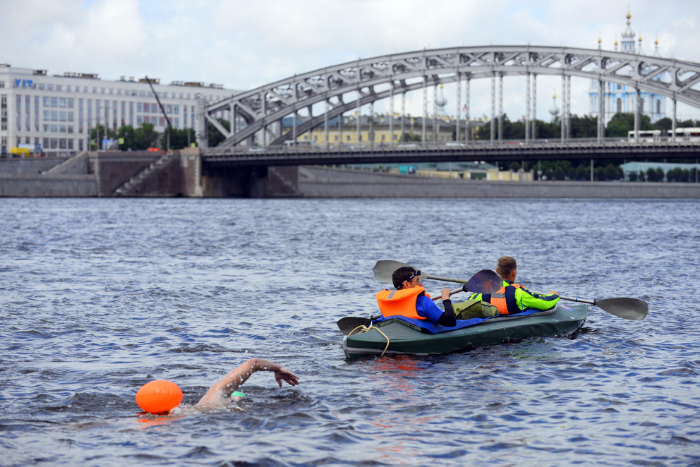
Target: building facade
[620,98]
[55,114]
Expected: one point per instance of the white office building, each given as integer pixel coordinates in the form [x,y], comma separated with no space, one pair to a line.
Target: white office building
[55,113]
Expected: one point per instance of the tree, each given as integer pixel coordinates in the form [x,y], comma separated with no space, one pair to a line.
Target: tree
[215,136]
[514,166]
[582,173]
[600,174]
[664,124]
[611,172]
[633,176]
[149,137]
[178,138]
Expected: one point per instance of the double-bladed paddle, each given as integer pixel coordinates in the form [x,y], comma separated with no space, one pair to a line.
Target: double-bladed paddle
[622,307]
[484,282]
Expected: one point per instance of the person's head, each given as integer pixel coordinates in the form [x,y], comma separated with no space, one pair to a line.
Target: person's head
[507,268]
[406,278]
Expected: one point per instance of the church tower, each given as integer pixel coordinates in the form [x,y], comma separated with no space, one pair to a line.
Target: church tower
[628,37]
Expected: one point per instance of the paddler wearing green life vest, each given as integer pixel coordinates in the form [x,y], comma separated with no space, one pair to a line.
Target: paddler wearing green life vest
[513,298]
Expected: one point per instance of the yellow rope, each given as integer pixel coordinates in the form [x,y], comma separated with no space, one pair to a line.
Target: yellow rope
[364,328]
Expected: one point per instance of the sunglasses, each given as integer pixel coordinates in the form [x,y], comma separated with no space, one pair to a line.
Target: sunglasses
[417,273]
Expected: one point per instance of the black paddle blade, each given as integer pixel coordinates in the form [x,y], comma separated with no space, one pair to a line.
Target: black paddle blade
[622,307]
[485,281]
[346,325]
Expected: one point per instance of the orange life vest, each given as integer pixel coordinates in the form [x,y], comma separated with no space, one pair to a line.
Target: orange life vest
[498,299]
[400,302]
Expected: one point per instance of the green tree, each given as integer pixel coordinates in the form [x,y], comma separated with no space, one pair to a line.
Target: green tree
[178,138]
[148,135]
[583,173]
[514,166]
[215,136]
[633,176]
[600,174]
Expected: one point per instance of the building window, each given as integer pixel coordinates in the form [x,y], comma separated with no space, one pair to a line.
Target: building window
[618,105]
[62,143]
[70,129]
[139,120]
[54,102]
[641,104]
[176,122]
[49,87]
[658,107]
[62,116]
[70,144]
[161,121]
[62,129]
[54,143]
[46,142]
[70,102]
[169,109]
[54,128]
[62,102]
[80,144]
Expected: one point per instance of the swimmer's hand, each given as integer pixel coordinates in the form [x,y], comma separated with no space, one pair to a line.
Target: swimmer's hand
[286,375]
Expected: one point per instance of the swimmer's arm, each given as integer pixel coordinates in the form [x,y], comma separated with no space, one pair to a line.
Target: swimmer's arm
[240,375]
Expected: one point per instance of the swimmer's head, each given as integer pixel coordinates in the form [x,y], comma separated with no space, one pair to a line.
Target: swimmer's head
[237,396]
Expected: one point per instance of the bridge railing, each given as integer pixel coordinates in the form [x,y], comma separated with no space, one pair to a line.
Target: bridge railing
[457,146]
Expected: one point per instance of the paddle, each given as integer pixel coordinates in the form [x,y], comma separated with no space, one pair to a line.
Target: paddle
[482,282]
[386,267]
[622,307]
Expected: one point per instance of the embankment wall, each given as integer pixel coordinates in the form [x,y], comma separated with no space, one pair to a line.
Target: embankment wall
[323,182]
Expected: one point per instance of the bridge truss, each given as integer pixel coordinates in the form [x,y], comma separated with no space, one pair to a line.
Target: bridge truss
[405,72]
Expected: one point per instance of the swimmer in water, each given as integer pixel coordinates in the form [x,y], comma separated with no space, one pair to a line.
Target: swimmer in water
[223,391]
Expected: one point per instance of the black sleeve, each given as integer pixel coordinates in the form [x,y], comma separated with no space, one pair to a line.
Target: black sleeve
[448,318]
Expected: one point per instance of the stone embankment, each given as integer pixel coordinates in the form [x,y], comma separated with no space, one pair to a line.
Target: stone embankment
[184,173]
[325,182]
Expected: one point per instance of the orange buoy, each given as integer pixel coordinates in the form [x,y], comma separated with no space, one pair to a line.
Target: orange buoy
[159,396]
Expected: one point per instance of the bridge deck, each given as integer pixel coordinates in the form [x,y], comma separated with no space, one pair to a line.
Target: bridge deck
[413,153]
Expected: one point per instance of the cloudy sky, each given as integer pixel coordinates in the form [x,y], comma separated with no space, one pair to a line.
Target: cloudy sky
[242,44]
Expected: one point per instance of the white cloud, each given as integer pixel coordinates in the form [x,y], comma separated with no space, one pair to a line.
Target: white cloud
[243,44]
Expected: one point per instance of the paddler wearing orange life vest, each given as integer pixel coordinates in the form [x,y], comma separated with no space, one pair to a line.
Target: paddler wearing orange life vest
[410,300]
[513,298]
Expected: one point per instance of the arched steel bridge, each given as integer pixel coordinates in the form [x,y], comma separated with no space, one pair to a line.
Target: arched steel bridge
[405,72]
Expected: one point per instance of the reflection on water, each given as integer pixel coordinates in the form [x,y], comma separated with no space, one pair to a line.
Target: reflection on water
[102,296]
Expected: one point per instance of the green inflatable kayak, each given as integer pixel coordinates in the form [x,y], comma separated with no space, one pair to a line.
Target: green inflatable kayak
[404,338]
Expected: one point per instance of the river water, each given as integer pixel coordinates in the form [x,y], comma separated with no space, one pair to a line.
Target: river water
[100,296]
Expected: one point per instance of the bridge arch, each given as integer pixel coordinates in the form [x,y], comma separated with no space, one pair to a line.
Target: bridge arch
[269,104]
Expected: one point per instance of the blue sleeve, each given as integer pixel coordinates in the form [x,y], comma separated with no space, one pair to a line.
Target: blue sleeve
[427,308]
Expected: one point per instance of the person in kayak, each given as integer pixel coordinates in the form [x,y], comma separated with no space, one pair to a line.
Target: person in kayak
[513,298]
[410,300]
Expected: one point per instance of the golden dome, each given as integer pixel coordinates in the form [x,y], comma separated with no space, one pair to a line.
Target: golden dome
[629,15]
[656,42]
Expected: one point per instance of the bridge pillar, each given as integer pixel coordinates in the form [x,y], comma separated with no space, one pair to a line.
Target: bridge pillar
[391,113]
[527,107]
[435,93]
[325,125]
[562,120]
[500,107]
[466,111]
[637,114]
[673,123]
[370,128]
[425,107]
[202,126]
[340,129]
[493,104]
[459,104]
[403,116]
[601,110]
[534,109]
[358,122]
[568,107]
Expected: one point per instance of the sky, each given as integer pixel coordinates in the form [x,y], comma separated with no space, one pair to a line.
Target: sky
[244,44]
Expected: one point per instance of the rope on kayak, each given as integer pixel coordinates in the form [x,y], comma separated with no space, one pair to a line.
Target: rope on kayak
[364,328]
